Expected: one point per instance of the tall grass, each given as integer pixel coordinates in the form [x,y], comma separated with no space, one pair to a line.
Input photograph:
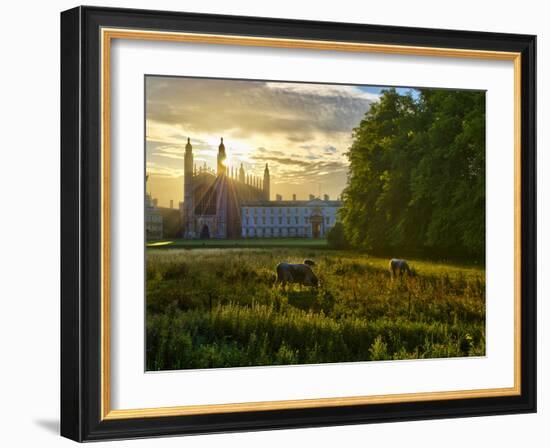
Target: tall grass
[219,308]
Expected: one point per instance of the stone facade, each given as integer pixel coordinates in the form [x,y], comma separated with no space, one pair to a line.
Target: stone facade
[287,219]
[230,203]
[153,219]
[212,200]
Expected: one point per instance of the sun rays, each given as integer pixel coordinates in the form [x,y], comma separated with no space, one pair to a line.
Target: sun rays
[301,130]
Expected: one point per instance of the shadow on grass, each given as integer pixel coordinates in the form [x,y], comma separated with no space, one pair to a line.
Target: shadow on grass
[304,300]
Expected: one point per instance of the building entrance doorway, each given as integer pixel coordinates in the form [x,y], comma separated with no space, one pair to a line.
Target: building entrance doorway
[316,229]
[205,232]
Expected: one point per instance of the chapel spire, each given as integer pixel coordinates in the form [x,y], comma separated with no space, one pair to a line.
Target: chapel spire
[221,159]
[265,185]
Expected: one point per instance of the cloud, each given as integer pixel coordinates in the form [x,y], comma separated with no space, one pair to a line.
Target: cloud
[301,130]
[303,168]
[324,90]
[270,151]
[282,160]
[169,151]
[244,108]
[168,155]
[155,169]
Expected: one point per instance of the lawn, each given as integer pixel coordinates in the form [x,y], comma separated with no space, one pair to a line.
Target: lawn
[244,243]
[218,307]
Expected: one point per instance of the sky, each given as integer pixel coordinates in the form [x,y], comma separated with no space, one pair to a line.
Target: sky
[301,130]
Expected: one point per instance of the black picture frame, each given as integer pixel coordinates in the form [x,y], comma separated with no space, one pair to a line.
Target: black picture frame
[81,224]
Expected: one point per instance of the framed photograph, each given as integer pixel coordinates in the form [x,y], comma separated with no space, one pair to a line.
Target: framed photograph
[273,223]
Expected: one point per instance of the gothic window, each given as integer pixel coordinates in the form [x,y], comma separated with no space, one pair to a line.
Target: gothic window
[205,201]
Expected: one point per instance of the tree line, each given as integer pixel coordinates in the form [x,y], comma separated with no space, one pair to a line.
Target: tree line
[416,184]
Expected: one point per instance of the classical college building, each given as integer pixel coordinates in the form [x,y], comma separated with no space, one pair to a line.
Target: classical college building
[230,203]
[280,219]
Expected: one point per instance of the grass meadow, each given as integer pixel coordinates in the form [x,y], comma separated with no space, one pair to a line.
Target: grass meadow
[258,243]
[218,307]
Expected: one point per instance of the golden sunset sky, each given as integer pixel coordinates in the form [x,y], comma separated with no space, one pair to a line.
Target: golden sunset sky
[301,130]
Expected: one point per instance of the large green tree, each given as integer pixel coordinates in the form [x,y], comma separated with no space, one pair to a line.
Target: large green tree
[417,175]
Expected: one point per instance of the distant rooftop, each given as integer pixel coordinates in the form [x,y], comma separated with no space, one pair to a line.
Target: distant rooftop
[298,203]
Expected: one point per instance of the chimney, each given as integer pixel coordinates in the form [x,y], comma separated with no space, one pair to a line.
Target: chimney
[311,197]
[325,197]
[278,197]
[294,197]
[171,203]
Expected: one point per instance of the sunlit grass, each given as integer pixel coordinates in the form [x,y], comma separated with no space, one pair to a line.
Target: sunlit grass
[242,243]
[216,307]
[160,243]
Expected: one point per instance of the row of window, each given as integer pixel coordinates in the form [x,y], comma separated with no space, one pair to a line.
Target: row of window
[153,218]
[276,210]
[276,231]
[272,221]
[153,228]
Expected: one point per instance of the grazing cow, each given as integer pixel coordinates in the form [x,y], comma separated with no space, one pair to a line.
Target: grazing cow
[296,273]
[399,268]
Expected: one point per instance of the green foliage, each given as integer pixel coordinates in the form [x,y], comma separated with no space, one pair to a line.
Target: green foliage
[417,176]
[336,238]
[219,308]
[379,349]
[314,243]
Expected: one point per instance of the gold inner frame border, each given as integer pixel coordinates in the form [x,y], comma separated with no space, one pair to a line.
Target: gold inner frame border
[107,35]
